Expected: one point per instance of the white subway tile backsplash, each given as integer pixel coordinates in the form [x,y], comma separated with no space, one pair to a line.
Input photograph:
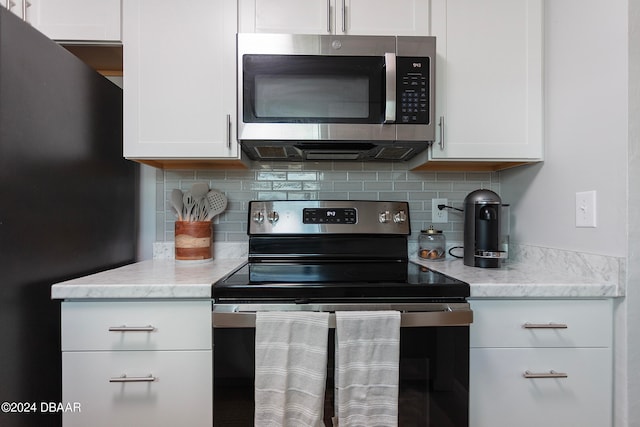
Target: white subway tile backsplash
[323,180]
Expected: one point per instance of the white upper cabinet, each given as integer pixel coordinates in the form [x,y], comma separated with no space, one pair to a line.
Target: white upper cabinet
[72,20]
[179,79]
[489,80]
[383,17]
[489,67]
[363,17]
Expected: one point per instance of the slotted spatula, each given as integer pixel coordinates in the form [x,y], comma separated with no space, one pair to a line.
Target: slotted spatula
[217,203]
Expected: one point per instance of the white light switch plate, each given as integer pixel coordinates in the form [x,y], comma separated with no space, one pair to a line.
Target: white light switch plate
[586,209]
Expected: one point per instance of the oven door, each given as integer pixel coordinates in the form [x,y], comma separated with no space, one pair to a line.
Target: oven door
[434,365]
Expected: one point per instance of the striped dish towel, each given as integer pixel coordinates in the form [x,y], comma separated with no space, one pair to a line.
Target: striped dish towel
[291,368]
[367,368]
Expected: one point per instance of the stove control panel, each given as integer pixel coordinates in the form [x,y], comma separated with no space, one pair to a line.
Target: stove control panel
[329,216]
[288,217]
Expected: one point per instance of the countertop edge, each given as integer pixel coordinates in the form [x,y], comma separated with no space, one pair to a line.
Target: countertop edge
[521,280]
[149,279]
[168,279]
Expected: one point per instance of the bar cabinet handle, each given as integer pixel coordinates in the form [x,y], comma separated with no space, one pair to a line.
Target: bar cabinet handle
[329,16]
[549,325]
[25,5]
[125,328]
[126,379]
[441,124]
[550,374]
[229,131]
[344,16]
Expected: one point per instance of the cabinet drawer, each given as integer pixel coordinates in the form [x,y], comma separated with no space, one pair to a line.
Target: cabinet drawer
[541,323]
[180,394]
[151,325]
[500,395]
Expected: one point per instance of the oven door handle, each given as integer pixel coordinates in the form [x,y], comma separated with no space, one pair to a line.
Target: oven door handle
[407,319]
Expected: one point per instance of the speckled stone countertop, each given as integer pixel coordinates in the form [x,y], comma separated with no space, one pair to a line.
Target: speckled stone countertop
[534,273]
[160,278]
[524,280]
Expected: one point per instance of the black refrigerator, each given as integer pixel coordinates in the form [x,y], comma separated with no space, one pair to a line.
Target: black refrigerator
[68,205]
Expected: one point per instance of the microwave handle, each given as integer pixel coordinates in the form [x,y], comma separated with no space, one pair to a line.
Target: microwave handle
[390,97]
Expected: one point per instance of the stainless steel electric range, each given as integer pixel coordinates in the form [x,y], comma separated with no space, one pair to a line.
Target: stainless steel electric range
[344,255]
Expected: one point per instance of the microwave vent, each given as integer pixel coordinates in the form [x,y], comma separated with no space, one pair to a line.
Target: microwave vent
[271,152]
[393,153]
[328,155]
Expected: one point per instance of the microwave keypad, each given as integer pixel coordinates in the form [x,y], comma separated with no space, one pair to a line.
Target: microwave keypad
[413,90]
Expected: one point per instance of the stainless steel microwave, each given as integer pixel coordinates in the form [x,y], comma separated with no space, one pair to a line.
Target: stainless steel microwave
[325,97]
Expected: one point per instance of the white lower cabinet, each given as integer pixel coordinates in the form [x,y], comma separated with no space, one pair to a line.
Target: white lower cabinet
[137,363]
[540,363]
[171,388]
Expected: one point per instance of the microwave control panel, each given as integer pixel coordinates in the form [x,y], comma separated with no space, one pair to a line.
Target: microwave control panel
[412,90]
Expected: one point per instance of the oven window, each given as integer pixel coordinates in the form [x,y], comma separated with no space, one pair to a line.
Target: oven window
[434,377]
[313,89]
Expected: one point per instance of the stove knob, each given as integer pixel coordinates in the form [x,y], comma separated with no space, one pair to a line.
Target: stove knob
[258,217]
[384,217]
[273,217]
[400,217]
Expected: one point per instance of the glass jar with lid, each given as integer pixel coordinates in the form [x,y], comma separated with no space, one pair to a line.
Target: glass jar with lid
[432,244]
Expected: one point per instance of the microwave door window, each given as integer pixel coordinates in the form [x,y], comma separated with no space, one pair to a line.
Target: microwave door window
[313,89]
[312,97]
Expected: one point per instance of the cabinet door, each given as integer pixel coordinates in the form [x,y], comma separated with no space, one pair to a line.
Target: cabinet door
[500,395]
[83,20]
[360,17]
[489,79]
[541,323]
[17,7]
[287,16]
[179,79]
[136,325]
[180,395]
[383,17]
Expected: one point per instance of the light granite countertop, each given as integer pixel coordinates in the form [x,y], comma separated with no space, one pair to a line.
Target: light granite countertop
[538,273]
[524,280]
[158,278]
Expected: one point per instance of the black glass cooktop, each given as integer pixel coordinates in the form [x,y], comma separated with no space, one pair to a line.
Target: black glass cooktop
[337,281]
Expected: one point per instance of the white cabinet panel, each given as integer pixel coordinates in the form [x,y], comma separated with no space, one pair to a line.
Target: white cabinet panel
[177,325]
[162,377]
[292,16]
[502,397]
[78,20]
[72,20]
[503,350]
[382,17]
[17,7]
[527,323]
[179,79]
[360,17]
[489,79]
[180,395]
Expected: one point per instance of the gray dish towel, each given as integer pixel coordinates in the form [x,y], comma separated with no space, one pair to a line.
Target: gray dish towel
[367,368]
[291,368]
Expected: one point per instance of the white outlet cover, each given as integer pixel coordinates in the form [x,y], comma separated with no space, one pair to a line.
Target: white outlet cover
[586,209]
[439,216]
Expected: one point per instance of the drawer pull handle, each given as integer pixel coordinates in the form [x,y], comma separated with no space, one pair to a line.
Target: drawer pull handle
[549,325]
[124,328]
[126,379]
[550,374]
